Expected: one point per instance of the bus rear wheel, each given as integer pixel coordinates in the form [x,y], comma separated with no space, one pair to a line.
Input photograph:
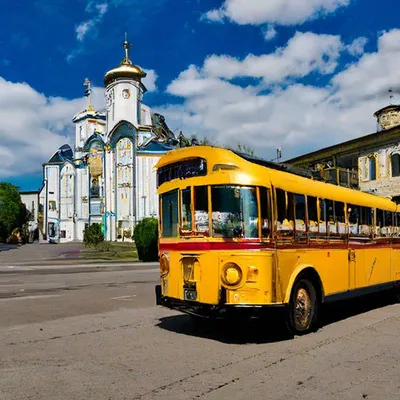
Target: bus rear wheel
[303,308]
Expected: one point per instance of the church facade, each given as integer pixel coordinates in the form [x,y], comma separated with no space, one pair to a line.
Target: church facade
[108,177]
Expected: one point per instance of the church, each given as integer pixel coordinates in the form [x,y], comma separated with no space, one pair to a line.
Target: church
[108,177]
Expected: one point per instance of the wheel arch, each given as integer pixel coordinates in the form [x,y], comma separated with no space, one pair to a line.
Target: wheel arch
[308,272]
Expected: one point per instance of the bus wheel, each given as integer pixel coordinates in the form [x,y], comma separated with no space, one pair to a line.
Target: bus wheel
[303,308]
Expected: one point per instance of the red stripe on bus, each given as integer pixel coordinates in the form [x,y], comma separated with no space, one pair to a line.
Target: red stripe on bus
[256,245]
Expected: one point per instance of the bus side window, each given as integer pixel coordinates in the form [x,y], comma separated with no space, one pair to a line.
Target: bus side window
[397,223]
[201,210]
[354,217]
[322,217]
[312,214]
[300,212]
[388,223]
[340,217]
[379,227]
[365,221]
[265,206]
[285,210]
[331,223]
[186,210]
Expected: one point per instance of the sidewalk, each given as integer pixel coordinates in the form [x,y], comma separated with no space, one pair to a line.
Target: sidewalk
[50,255]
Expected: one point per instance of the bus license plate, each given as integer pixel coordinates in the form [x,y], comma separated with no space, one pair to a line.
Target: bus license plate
[190,294]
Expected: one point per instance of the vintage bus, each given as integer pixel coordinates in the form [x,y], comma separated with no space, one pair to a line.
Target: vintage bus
[240,234]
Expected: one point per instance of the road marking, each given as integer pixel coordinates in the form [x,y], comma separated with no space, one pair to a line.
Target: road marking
[126,298]
[43,296]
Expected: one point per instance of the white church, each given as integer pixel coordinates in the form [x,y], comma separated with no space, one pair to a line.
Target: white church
[109,176]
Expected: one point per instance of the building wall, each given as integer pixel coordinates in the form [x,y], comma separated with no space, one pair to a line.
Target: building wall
[384,184]
[31,201]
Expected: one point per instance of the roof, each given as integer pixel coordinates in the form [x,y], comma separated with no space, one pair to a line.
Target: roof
[64,153]
[370,141]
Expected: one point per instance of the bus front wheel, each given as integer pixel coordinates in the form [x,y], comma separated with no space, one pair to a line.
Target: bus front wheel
[303,308]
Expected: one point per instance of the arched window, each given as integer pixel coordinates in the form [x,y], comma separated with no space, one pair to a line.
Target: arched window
[395,164]
[372,168]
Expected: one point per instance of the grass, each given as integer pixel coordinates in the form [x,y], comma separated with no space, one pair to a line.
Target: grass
[111,251]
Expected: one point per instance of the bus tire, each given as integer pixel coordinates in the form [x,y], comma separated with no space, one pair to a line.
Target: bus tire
[303,308]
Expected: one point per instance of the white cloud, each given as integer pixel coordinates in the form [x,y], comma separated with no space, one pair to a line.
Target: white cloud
[34,126]
[304,53]
[150,80]
[282,12]
[301,117]
[356,47]
[269,33]
[87,26]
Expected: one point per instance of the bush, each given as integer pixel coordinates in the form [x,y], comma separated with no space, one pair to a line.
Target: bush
[93,236]
[146,239]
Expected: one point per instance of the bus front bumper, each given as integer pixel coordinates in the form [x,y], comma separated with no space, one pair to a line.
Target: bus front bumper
[217,311]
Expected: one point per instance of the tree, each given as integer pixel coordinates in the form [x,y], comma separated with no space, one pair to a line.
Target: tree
[241,148]
[13,213]
[93,235]
[146,239]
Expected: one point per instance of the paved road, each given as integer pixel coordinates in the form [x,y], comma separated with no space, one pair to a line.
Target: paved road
[96,334]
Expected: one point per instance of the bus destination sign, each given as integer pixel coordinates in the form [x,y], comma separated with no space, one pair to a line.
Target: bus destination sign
[182,170]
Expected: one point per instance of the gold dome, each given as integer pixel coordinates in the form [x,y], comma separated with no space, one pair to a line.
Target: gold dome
[125,70]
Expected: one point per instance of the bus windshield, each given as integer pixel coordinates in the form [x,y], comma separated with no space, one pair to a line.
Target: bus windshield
[234,212]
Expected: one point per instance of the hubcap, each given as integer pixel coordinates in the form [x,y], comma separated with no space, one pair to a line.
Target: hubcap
[303,309]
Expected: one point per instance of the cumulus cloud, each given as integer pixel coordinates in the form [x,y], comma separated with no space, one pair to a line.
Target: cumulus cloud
[303,117]
[356,47]
[303,54]
[150,80]
[34,126]
[269,33]
[282,12]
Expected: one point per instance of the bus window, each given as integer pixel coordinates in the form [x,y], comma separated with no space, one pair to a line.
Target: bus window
[354,217]
[186,209]
[365,221]
[300,212]
[330,214]
[285,220]
[265,207]
[323,217]
[201,208]
[249,211]
[388,223]
[379,231]
[234,211]
[169,223]
[312,214]
[340,218]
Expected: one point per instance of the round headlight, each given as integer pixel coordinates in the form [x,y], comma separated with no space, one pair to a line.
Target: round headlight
[231,274]
[164,266]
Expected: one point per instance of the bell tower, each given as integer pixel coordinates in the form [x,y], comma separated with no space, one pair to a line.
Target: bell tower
[124,91]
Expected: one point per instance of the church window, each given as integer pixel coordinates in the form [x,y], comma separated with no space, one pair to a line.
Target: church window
[372,168]
[395,164]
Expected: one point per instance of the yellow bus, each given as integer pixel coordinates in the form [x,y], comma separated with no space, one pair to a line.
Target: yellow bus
[240,234]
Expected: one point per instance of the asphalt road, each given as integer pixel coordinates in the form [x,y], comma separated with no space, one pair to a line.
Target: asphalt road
[94,333]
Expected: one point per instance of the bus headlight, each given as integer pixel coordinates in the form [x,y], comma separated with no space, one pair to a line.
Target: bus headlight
[231,274]
[164,266]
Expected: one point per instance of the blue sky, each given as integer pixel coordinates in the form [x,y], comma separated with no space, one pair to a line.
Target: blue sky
[303,74]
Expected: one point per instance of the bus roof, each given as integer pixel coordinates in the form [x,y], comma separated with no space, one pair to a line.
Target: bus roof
[280,176]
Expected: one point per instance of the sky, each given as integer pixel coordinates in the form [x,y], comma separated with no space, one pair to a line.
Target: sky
[295,74]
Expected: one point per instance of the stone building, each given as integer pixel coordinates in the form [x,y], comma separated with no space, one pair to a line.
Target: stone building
[108,177]
[369,163]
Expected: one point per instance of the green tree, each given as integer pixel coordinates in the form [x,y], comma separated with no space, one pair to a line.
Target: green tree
[93,236]
[13,213]
[146,239]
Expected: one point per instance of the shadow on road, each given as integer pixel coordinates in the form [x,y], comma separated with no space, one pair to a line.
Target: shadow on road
[271,329]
